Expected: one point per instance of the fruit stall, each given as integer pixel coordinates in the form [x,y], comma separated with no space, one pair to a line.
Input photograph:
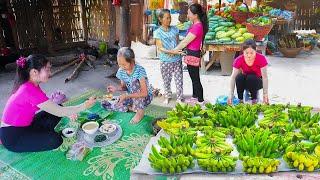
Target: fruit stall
[242,139]
[233,23]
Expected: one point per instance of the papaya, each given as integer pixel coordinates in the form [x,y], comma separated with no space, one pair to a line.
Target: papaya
[236,35]
[248,36]
[242,30]
[230,33]
[221,35]
[240,39]
[238,26]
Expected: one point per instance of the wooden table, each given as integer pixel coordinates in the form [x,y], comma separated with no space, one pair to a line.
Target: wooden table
[225,54]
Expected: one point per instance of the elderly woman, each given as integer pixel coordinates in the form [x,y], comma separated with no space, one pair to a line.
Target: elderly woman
[134,80]
[249,73]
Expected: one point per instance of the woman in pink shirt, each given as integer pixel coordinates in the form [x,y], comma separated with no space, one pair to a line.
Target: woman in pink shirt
[249,73]
[193,43]
[23,128]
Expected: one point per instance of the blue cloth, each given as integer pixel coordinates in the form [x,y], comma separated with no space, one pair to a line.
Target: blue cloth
[223,100]
[138,73]
[169,41]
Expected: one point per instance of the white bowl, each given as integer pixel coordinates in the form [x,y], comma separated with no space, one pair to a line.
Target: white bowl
[114,100]
[108,129]
[68,132]
[90,127]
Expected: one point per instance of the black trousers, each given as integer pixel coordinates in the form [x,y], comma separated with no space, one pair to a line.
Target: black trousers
[249,82]
[194,72]
[39,136]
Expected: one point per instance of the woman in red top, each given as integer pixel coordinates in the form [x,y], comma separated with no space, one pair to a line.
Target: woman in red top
[249,73]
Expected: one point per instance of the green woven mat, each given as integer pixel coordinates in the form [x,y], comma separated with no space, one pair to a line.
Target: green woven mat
[112,162]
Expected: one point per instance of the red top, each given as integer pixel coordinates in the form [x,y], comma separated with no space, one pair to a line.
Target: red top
[258,63]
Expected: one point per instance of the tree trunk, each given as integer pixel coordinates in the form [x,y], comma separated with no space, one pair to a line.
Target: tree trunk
[125,40]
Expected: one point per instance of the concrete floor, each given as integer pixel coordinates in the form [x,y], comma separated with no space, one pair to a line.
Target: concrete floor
[290,80]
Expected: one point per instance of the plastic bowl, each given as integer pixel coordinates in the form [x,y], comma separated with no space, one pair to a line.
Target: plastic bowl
[109,129]
[90,127]
[68,132]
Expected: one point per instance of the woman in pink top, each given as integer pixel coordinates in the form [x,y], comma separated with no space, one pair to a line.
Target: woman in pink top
[23,128]
[249,73]
[193,43]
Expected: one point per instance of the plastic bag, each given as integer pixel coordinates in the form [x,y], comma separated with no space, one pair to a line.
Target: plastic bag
[223,100]
[78,151]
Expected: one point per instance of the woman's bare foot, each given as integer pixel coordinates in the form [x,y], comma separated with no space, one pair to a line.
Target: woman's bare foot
[137,117]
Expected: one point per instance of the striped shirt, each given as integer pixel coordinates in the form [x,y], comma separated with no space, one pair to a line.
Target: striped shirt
[138,73]
[169,42]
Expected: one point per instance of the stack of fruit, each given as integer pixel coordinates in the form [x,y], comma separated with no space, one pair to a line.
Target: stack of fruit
[273,118]
[312,133]
[174,156]
[302,161]
[256,142]
[239,116]
[259,165]
[223,30]
[303,116]
[216,162]
[213,142]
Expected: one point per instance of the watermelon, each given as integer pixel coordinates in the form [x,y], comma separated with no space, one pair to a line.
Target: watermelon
[218,28]
[225,40]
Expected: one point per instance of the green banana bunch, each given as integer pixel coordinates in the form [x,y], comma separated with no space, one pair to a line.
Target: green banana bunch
[259,165]
[171,165]
[176,145]
[303,146]
[213,143]
[209,129]
[185,111]
[317,150]
[302,161]
[300,115]
[238,116]
[265,108]
[290,139]
[312,133]
[216,162]
[255,142]
[274,119]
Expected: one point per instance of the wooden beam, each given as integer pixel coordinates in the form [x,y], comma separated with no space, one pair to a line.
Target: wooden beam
[125,40]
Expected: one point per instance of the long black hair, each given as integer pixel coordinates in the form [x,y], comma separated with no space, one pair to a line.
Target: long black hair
[35,61]
[198,10]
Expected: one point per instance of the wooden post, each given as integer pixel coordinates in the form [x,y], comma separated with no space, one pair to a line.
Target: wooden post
[84,20]
[46,7]
[125,40]
[14,28]
[112,24]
